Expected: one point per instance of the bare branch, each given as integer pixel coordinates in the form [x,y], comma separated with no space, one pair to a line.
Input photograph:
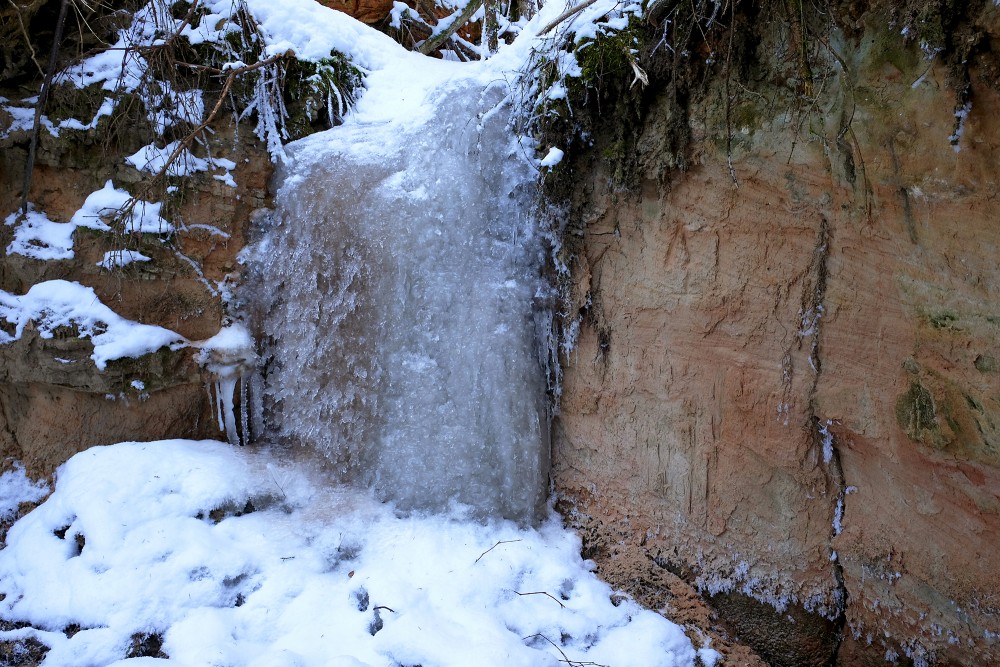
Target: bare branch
[565,15]
[428,10]
[27,38]
[40,106]
[186,142]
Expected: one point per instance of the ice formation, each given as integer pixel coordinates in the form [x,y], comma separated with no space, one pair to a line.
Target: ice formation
[402,269]
[228,356]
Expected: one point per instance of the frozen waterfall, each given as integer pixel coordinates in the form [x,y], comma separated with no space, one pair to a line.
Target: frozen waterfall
[398,281]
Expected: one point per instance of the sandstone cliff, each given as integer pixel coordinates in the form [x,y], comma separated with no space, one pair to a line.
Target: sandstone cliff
[55,402]
[785,387]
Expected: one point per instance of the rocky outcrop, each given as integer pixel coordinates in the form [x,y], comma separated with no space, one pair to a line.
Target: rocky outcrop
[55,401]
[170,137]
[785,387]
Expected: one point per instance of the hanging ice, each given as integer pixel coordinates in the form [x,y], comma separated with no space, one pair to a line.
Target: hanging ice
[228,356]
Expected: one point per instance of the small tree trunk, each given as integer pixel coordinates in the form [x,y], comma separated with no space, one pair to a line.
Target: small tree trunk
[43,96]
[491,26]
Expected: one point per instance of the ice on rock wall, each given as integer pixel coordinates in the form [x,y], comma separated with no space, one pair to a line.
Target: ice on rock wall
[401,271]
[229,356]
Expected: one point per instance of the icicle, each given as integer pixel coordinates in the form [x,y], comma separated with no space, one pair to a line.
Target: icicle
[218,404]
[228,355]
[228,388]
[244,412]
[211,398]
[257,399]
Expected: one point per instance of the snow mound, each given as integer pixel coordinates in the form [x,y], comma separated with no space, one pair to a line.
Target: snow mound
[139,216]
[236,559]
[153,159]
[118,258]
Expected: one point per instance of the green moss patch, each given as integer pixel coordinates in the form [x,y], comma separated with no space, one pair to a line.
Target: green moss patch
[915,414]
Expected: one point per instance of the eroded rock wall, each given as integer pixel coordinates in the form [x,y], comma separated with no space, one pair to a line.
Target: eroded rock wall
[55,402]
[785,387]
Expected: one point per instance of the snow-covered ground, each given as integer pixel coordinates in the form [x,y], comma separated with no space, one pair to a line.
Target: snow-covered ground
[239,556]
[236,558]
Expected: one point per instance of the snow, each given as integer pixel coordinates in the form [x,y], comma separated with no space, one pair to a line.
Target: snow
[104,68]
[240,557]
[311,31]
[23,119]
[118,258]
[552,158]
[38,237]
[709,657]
[60,303]
[961,116]
[399,9]
[17,488]
[121,68]
[106,108]
[228,355]
[109,201]
[826,438]
[587,24]
[152,159]
[232,340]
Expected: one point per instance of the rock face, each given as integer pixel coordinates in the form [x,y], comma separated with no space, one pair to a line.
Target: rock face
[366,11]
[54,401]
[786,386]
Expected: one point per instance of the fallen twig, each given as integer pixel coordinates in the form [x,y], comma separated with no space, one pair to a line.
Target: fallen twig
[494,547]
[463,17]
[565,658]
[543,593]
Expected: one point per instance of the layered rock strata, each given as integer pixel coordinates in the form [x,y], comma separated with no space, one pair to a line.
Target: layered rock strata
[785,387]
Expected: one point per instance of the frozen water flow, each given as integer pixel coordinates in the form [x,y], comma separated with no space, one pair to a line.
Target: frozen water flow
[401,275]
